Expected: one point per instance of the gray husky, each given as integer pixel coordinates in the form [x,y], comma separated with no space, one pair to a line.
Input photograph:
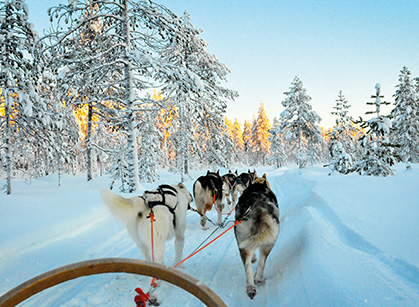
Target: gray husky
[244,180]
[258,210]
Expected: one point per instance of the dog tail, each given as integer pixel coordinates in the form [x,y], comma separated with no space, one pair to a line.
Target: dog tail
[197,188]
[120,207]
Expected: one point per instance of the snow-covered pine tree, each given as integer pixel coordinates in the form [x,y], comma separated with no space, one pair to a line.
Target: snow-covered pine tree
[62,132]
[216,147]
[238,140]
[76,58]
[229,150]
[278,156]
[195,91]
[124,58]
[405,133]
[299,122]
[149,155]
[378,155]
[21,116]
[260,135]
[342,143]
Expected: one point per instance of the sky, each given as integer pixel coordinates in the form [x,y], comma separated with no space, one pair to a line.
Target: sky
[330,45]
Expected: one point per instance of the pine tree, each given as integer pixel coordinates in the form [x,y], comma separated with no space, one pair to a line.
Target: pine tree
[196,92]
[129,52]
[278,155]
[342,143]
[149,155]
[405,124]
[22,111]
[237,135]
[299,122]
[260,135]
[61,133]
[378,155]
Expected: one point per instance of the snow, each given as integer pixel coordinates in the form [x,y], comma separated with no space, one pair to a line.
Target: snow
[344,241]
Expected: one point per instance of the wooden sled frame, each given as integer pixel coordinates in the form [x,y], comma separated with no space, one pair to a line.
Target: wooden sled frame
[111,265]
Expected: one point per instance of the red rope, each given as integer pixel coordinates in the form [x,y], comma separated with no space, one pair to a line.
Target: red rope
[235,224]
[152,234]
[142,298]
[222,213]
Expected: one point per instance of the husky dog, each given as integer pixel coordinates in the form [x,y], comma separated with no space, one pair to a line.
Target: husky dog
[169,203]
[244,180]
[262,179]
[258,210]
[229,182]
[208,190]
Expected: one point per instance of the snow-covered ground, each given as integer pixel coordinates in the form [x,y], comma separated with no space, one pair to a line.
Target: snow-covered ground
[344,241]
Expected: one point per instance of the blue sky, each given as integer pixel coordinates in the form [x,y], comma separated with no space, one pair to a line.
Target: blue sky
[331,45]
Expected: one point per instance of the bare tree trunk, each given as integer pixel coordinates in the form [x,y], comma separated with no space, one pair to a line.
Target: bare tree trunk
[129,96]
[46,163]
[59,168]
[89,142]
[300,145]
[8,157]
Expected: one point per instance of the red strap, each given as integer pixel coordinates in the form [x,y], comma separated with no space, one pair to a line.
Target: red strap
[152,234]
[216,209]
[142,298]
[235,224]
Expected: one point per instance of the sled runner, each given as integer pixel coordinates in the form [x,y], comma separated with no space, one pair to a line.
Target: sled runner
[111,265]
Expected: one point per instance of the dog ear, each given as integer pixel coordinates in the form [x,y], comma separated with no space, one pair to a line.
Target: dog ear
[218,172]
[208,172]
[264,176]
[181,185]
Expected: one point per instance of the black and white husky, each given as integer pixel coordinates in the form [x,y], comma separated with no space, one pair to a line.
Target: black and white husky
[229,183]
[208,190]
[169,204]
[258,210]
[244,180]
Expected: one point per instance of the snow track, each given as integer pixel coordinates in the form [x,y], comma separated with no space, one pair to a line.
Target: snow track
[333,249]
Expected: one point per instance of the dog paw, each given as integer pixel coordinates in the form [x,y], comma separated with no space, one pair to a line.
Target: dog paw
[260,282]
[153,301]
[254,258]
[251,291]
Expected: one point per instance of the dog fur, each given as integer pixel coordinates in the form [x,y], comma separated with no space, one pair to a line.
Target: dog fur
[208,190]
[133,212]
[259,229]
[262,179]
[244,180]
[229,182]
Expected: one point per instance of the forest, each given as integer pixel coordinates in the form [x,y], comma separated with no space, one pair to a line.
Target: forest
[128,88]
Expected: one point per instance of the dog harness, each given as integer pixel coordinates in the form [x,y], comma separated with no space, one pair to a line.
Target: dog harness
[163,190]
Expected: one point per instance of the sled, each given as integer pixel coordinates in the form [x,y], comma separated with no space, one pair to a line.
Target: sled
[111,265]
